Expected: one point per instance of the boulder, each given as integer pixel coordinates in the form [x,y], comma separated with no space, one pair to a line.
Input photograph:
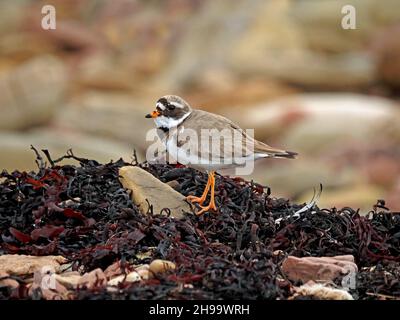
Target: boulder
[31,92]
[318,268]
[117,116]
[15,264]
[301,42]
[145,187]
[12,13]
[312,122]
[386,47]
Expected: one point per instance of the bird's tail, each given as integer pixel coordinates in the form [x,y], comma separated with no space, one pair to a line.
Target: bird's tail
[271,152]
[286,154]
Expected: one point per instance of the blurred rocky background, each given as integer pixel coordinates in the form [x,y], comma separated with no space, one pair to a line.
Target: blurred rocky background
[285,68]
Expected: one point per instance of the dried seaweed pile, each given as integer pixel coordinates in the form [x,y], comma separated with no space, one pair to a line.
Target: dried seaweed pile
[83,213]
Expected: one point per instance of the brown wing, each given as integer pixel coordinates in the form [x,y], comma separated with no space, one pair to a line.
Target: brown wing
[240,143]
[262,148]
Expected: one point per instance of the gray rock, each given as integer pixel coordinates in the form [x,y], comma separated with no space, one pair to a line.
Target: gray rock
[309,123]
[318,268]
[20,264]
[387,51]
[31,92]
[11,14]
[145,186]
[110,115]
[303,42]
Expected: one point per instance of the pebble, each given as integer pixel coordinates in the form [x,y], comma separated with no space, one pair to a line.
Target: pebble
[160,266]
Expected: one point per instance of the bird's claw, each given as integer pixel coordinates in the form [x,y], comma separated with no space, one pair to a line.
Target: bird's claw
[194,199]
[210,207]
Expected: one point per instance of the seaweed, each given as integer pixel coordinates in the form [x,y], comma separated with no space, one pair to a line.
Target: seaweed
[83,213]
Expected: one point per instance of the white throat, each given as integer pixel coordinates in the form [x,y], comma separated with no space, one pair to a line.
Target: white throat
[164,122]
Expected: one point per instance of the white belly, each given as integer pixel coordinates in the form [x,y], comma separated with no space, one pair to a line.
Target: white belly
[194,160]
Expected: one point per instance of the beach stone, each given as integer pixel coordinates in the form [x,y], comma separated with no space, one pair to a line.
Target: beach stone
[318,268]
[130,277]
[289,41]
[110,115]
[31,92]
[113,270]
[382,170]
[386,47]
[7,282]
[144,274]
[314,122]
[145,186]
[161,266]
[93,279]
[59,293]
[321,292]
[242,93]
[12,14]
[340,118]
[116,281]
[70,280]
[45,282]
[133,277]
[15,264]
[295,42]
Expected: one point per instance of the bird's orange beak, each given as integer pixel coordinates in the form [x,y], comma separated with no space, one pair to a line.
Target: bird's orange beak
[154,114]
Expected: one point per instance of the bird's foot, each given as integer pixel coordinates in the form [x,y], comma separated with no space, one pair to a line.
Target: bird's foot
[194,199]
[210,207]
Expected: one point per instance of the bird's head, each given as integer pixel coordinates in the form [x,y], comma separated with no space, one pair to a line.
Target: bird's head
[170,111]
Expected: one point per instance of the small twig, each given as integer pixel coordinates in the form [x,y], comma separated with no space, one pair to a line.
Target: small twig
[134,158]
[39,160]
[47,154]
[70,155]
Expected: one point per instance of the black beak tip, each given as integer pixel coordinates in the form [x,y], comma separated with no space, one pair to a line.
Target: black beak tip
[148,115]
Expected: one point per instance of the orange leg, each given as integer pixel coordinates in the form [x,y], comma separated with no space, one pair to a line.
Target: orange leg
[200,200]
[211,205]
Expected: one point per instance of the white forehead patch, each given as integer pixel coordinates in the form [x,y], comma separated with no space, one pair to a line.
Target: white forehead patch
[160,105]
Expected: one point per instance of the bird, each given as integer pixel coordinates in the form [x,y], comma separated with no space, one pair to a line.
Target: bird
[179,126]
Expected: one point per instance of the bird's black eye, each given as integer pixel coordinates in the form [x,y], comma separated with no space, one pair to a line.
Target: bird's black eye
[170,107]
